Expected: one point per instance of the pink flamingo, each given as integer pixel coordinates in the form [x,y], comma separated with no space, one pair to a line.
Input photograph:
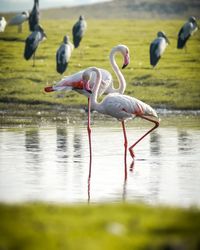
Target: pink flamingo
[122,107]
[75,82]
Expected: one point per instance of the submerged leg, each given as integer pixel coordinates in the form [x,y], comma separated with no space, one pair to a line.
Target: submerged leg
[89,137]
[125,150]
[149,131]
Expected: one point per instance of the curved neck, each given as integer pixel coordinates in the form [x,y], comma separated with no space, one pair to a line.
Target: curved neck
[94,103]
[120,77]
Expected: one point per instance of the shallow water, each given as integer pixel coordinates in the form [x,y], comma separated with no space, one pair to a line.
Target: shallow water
[52,163]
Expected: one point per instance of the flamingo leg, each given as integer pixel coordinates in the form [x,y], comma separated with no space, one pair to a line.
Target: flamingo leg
[149,131]
[125,150]
[89,137]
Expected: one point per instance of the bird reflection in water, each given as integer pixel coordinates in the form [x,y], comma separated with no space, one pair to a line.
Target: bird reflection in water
[155,147]
[61,142]
[32,145]
[184,142]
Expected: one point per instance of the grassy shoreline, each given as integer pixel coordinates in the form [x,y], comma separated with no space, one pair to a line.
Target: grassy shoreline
[105,226]
[174,84]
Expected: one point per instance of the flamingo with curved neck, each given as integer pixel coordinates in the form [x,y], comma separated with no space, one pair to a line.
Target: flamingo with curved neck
[75,81]
[122,107]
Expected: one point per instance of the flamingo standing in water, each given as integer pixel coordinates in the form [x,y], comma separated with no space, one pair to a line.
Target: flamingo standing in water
[122,107]
[74,82]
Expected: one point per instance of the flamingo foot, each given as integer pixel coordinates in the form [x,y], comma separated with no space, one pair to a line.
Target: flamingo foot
[132,166]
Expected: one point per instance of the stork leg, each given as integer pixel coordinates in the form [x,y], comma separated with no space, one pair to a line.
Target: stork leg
[125,150]
[149,131]
[20,28]
[89,137]
[33,59]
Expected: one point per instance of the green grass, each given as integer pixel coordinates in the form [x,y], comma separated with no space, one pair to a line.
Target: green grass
[175,83]
[96,227]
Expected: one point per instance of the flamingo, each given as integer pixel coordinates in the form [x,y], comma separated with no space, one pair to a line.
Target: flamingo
[33,41]
[34,16]
[187,30]
[63,55]
[19,19]
[122,107]
[2,23]
[68,82]
[157,48]
[74,82]
[78,31]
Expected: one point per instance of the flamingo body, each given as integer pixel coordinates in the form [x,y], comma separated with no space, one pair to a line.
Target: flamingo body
[2,24]
[187,30]
[123,107]
[67,83]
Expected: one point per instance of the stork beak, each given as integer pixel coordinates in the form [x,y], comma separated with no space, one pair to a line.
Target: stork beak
[168,40]
[48,89]
[126,61]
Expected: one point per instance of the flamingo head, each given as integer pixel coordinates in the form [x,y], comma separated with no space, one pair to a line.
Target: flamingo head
[68,86]
[125,53]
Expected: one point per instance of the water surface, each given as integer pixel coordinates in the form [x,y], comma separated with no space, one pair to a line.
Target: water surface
[51,163]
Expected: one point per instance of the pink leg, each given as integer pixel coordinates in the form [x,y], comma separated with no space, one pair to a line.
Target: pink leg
[154,127]
[125,150]
[89,137]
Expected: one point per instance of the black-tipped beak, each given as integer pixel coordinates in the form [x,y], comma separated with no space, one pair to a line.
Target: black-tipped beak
[89,91]
[124,66]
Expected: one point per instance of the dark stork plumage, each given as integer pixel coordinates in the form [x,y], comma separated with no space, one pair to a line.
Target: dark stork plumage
[157,48]
[187,30]
[32,42]
[63,55]
[34,16]
[78,31]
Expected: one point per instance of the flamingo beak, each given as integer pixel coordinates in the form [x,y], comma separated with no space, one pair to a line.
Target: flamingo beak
[87,86]
[126,61]
[48,89]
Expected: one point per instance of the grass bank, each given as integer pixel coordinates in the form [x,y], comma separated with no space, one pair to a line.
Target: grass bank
[95,227]
[175,83]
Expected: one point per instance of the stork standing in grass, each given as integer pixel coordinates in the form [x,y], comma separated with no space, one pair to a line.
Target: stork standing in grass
[187,30]
[2,23]
[34,16]
[63,55]
[78,31]
[32,42]
[19,20]
[157,48]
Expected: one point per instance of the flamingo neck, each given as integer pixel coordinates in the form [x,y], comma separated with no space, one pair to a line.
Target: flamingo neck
[120,77]
[94,103]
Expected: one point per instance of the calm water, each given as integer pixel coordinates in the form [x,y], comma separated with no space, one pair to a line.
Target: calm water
[51,164]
